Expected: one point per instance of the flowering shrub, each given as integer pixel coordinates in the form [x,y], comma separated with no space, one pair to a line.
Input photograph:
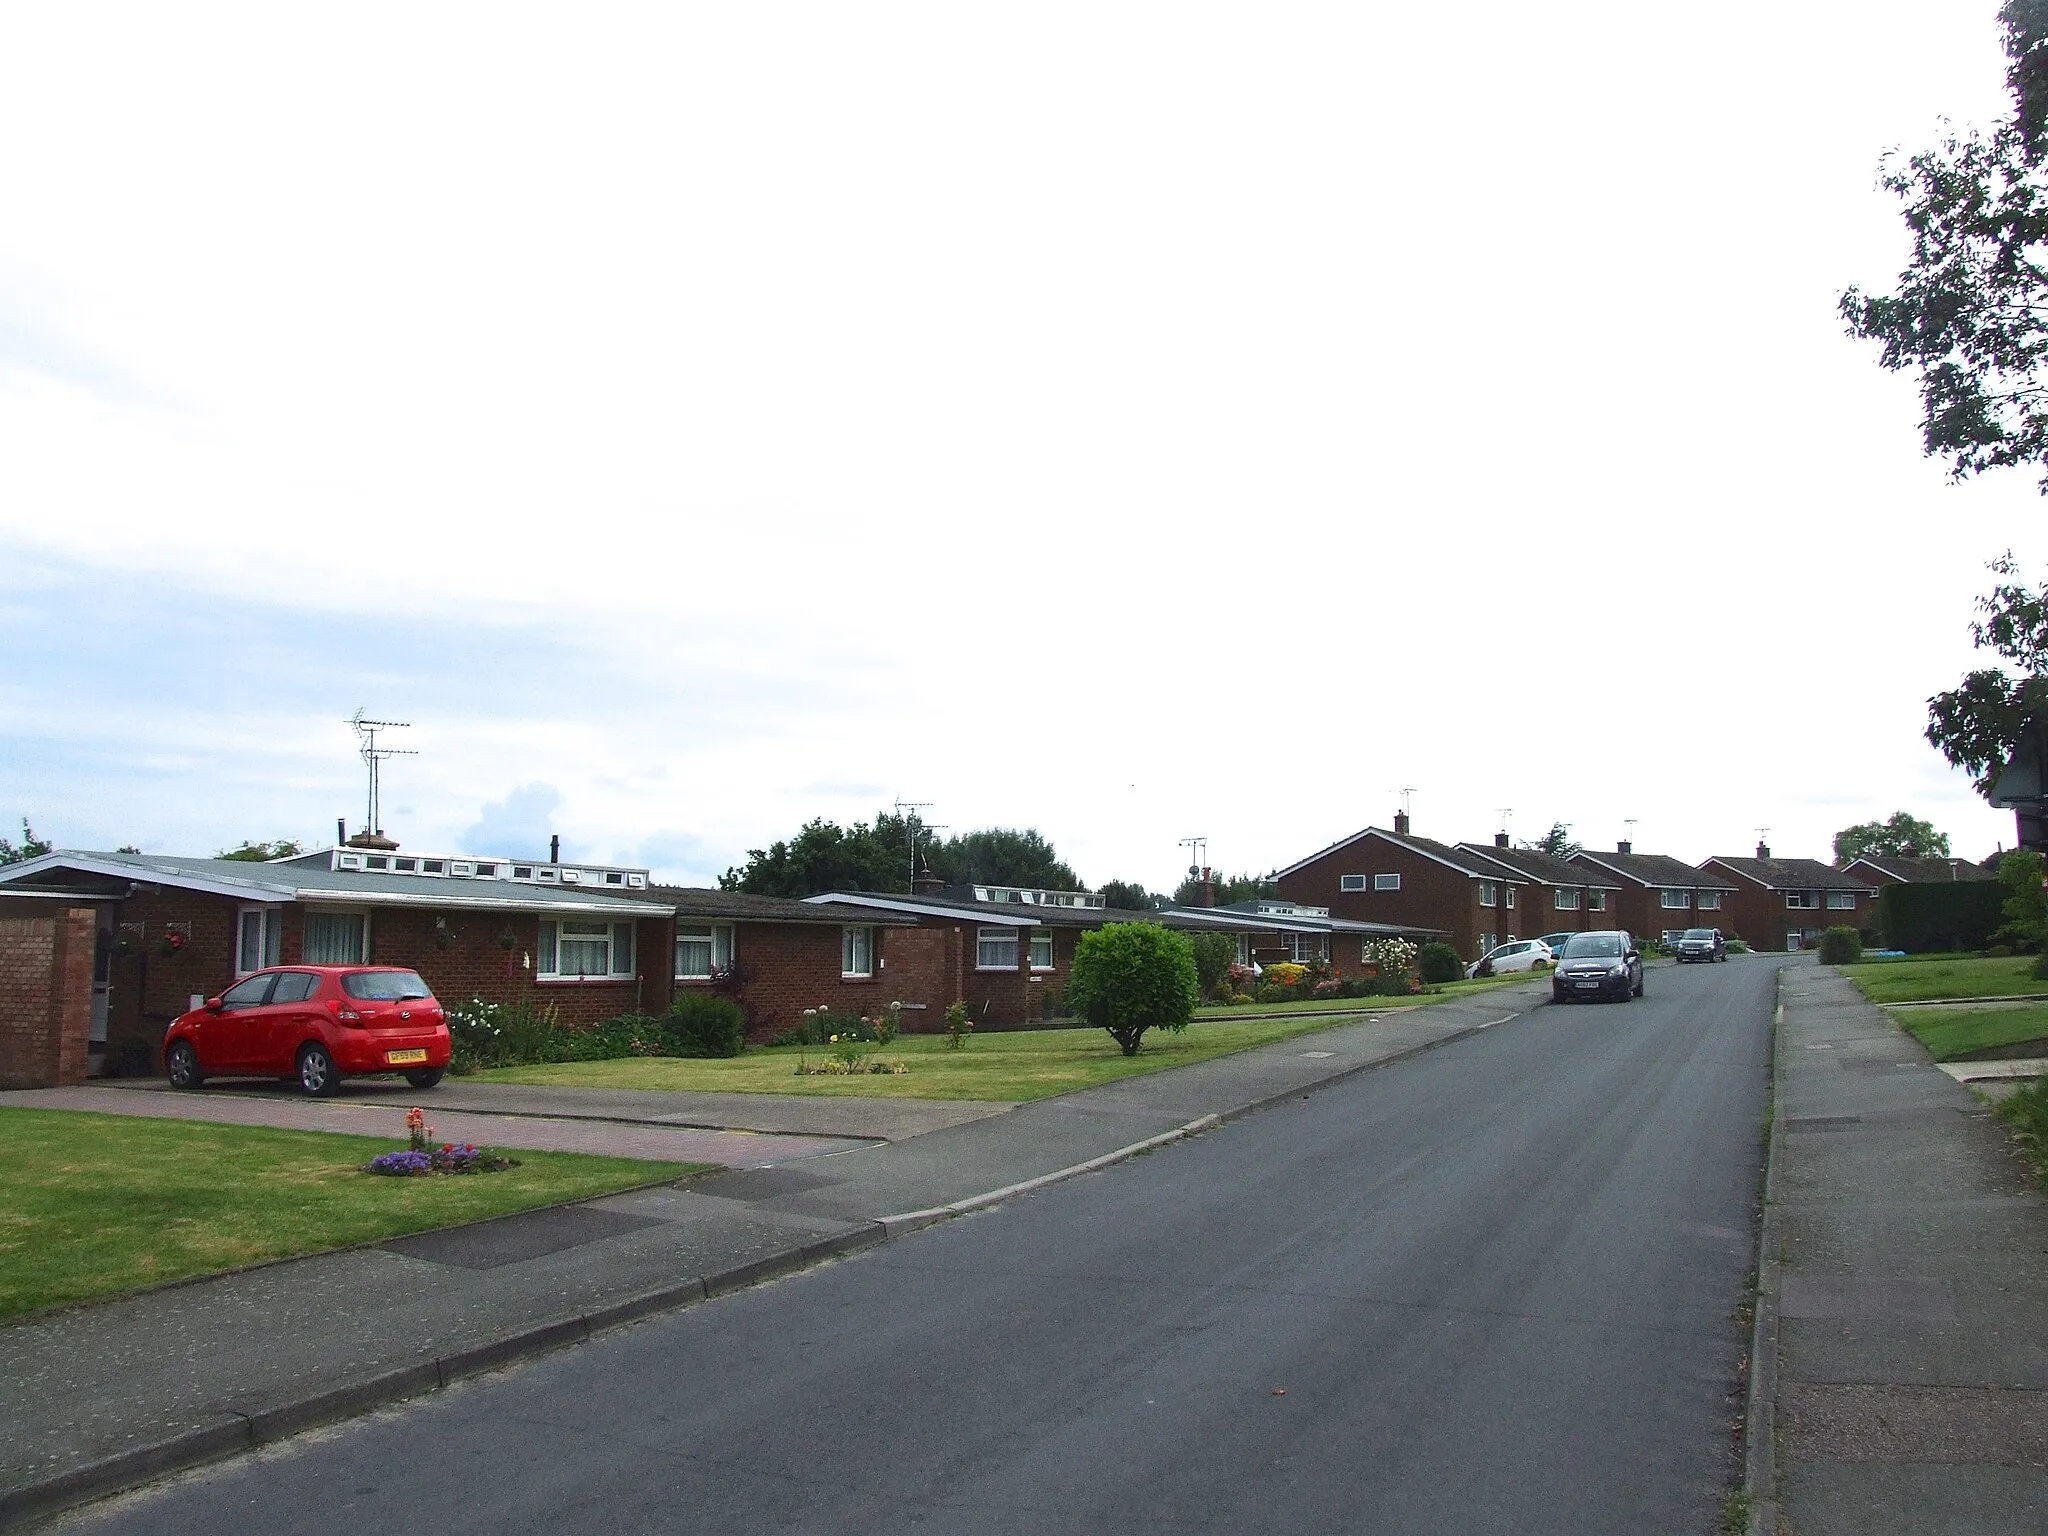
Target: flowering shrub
[959,1025]
[423,1158]
[1284,973]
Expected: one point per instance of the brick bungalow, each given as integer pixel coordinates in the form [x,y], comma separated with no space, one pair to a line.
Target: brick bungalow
[776,958]
[1659,896]
[1561,896]
[1413,883]
[1786,903]
[1007,952]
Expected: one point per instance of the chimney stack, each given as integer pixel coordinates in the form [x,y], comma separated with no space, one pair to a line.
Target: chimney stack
[1205,894]
[1400,823]
[1763,850]
[1624,846]
[1500,839]
[555,849]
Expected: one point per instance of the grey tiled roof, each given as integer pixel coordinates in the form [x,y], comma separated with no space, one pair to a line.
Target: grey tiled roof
[1794,874]
[1655,869]
[1924,871]
[738,906]
[293,880]
[1536,865]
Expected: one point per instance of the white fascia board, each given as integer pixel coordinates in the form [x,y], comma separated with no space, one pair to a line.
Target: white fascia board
[919,909]
[149,874]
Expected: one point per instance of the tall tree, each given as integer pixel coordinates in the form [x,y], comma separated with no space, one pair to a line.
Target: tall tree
[1557,842]
[30,846]
[1003,856]
[1126,896]
[1900,835]
[1977,724]
[262,853]
[1970,316]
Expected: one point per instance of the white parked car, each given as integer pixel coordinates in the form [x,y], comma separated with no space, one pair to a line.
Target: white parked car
[1515,955]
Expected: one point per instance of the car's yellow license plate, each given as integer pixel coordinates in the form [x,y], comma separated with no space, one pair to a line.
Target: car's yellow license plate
[404,1058]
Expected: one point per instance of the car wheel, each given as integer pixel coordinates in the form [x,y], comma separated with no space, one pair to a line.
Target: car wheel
[317,1074]
[181,1066]
[1638,990]
[426,1077]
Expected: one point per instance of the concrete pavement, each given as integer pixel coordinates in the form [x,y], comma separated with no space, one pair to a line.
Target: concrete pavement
[1905,1279]
[101,1397]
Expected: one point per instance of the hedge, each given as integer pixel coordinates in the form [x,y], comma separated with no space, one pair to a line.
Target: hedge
[1961,914]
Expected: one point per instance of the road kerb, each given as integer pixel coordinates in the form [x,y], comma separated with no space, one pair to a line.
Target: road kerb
[1760,1428]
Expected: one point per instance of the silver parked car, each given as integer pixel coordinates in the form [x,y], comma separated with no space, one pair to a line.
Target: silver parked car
[1700,944]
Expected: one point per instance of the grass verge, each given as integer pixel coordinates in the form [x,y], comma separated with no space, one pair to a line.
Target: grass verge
[1952,1033]
[98,1204]
[1914,981]
[2025,1110]
[1000,1066]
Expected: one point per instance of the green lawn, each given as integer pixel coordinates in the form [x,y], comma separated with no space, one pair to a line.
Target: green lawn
[103,1203]
[1950,1033]
[998,1065]
[1916,980]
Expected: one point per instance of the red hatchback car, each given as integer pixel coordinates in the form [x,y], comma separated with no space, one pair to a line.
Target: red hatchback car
[315,1023]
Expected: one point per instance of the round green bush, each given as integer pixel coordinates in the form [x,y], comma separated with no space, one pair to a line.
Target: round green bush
[1439,963]
[1131,977]
[1841,946]
[704,1024]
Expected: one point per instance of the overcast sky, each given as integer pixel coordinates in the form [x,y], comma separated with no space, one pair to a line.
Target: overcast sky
[1132,422]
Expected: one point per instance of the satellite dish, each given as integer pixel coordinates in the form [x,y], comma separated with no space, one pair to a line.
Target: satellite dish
[1194,871]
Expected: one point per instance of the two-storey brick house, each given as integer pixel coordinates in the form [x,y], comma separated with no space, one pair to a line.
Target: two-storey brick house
[1399,879]
[1787,903]
[1659,897]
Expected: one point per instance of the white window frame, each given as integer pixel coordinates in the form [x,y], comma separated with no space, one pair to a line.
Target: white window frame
[856,951]
[1244,949]
[1511,898]
[1802,901]
[1489,894]
[717,940]
[269,939]
[1671,900]
[618,949]
[1596,901]
[1710,901]
[1486,943]
[1041,940]
[990,943]
[362,956]
[1387,882]
[1564,898]
[1351,882]
[1673,935]
[1304,947]
[1841,901]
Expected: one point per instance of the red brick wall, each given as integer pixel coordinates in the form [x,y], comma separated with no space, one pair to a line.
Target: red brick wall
[46,955]
[461,955]
[788,967]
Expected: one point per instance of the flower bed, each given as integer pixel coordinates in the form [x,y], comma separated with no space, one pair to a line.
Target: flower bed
[423,1158]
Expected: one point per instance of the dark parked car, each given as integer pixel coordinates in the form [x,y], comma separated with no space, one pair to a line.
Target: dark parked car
[1600,964]
[1700,944]
[313,1024]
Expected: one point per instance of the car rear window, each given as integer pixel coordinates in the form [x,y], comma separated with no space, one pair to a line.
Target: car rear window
[1595,944]
[385,986]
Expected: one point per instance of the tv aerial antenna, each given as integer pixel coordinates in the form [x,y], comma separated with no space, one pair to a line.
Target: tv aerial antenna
[1198,855]
[1407,794]
[373,755]
[1507,814]
[914,827]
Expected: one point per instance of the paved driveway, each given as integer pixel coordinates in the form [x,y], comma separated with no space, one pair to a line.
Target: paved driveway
[609,1138]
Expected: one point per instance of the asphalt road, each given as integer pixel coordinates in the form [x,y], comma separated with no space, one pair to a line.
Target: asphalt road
[1489,1289]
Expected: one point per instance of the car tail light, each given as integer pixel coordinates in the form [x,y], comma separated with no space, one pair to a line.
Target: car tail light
[346,1014]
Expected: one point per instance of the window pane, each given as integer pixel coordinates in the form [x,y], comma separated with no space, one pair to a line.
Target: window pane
[856,951]
[334,938]
[622,949]
[583,957]
[693,954]
[1041,951]
[721,948]
[544,962]
[249,953]
[996,948]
